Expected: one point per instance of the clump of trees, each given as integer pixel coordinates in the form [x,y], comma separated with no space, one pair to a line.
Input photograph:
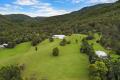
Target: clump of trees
[88,49]
[63,42]
[98,70]
[51,39]
[10,45]
[12,72]
[55,52]
[101,69]
[35,41]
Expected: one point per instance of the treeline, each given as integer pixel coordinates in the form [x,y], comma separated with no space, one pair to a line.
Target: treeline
[100,68]
[12,72]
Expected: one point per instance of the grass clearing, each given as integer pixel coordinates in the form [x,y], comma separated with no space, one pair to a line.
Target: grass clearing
[69,65]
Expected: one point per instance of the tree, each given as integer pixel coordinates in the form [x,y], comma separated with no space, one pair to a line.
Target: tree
[102,69]
[90,36]
[36,48]
[116,67]
[51,39]
[35,41]
[12,72]
[55,52]
[11,45]
[63,42]
[93,71]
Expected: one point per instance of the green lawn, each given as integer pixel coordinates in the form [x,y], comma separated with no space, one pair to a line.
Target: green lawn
[69,65]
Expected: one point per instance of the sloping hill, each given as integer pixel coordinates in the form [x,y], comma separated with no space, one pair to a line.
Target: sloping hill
[69,65]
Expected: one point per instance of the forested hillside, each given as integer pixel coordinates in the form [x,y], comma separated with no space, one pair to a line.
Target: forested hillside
[101,18]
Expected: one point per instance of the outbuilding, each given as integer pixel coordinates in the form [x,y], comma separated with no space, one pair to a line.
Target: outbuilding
[101,54]
[59,36]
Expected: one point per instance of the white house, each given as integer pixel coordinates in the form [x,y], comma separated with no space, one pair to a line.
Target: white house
[59,36]
[101,54]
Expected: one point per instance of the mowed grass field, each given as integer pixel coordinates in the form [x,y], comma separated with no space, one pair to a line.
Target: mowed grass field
[69,65]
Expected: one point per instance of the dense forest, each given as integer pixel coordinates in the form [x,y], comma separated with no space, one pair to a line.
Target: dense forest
[102,18]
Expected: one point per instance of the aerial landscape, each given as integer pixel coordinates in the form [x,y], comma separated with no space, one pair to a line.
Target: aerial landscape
[59,39]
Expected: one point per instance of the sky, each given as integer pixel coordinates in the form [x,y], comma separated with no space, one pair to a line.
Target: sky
[45,8]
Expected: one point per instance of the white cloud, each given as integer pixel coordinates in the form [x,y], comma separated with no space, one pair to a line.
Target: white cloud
[92,1]
[38,9]
[76,1]
[102,1]
[26,2]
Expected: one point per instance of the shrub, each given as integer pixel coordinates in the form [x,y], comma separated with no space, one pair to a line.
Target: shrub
[63,42]
[35,41]
[51,39]
[11,45]
[68,42]
[55,52]
[98,41]
[10,73]
[89,37]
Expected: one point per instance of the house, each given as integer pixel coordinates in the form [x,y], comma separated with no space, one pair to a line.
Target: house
[101,54]
[59,36]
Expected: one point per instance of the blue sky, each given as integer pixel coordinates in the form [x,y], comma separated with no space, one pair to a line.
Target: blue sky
[45,7]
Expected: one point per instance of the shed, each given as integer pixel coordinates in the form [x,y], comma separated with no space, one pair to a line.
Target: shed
[59,36]
[101,54]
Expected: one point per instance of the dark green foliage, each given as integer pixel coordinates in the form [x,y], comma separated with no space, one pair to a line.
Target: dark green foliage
[51,39]
[10,73]
[89,37]
[88,49]
[35,41]
[11,45]
[68,42]
[63,42]
[36,48]
[76,41]
[84,46]
[98,71]
[55,52]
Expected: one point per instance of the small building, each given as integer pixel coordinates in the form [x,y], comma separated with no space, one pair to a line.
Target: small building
[59,36]
[101,54]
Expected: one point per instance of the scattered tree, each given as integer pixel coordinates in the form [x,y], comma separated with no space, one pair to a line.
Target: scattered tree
[55,52]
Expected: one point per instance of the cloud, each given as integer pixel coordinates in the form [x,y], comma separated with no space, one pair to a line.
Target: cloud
[101,1]
[36,9]
[26,2]
[76,1]
[92,1]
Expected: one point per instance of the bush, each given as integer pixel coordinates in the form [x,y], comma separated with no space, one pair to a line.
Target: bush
[98,41]
[89,38]
[35,41]
[63,42]
[51,39]
[11,45]
[10,73]
[55,52]
[68,42]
